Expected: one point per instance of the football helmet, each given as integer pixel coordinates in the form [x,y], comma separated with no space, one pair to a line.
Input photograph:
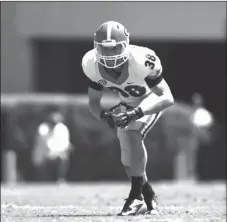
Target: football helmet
[111,41]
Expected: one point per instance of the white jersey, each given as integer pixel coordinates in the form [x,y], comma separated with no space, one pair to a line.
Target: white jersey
[130,85]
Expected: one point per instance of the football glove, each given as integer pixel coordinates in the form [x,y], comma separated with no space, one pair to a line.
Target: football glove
[107,116]
[125,118]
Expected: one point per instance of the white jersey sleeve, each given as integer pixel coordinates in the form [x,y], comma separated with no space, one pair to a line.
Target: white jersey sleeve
[146,62]
[88,66]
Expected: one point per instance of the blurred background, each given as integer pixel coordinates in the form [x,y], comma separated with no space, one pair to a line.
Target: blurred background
[47,132]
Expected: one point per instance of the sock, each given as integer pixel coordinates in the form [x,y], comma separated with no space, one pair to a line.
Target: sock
[136,188]
[147,192]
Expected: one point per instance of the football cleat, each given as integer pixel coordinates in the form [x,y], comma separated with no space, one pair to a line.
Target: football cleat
[133,207]
[152,206]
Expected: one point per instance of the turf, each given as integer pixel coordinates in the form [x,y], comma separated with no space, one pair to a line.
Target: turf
[101,201]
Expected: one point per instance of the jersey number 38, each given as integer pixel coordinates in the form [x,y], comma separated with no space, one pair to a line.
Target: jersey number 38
[133,90]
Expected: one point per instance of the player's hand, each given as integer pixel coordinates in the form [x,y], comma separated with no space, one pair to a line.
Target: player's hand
[125,118]
[107,116]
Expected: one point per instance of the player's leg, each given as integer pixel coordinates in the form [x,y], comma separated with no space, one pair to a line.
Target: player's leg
[148,192]
[149,195]
[134,159]
[134,204]
[143,126]
[127,142]
[138,167]
[127,171]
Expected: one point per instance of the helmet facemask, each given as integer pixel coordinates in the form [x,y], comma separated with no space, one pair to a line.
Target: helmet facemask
[111,54]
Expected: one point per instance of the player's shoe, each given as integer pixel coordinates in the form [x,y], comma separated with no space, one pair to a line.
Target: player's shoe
[133,207]
[152,206]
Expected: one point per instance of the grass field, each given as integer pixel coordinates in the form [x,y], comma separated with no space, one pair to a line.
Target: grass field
[101,201]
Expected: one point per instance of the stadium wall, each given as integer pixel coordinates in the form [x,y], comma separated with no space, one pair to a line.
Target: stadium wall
[22,21]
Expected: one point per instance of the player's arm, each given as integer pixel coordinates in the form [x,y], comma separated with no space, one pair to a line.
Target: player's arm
[164,99]
[158,85]
[95,92]
[149,105]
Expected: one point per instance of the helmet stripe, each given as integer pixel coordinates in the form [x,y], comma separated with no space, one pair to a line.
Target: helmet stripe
[109,29]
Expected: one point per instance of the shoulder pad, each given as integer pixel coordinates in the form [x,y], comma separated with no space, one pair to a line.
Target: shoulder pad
[88,64]
[145,61]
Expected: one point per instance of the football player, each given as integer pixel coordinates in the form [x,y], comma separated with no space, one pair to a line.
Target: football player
[135,73]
